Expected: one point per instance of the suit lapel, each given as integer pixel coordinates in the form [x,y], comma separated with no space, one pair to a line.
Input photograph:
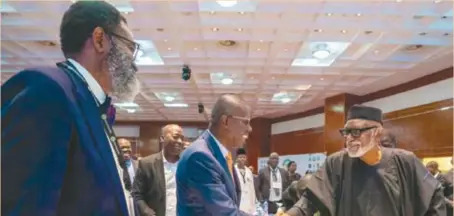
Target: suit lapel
[92,119]
[213,147]
[159,173]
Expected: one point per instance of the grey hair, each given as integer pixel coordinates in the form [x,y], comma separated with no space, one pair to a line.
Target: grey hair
[225,105]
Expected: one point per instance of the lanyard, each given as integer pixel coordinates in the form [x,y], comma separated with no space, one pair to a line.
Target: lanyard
[71,70]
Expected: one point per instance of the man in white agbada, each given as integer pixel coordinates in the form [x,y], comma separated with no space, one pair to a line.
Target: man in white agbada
[246,179]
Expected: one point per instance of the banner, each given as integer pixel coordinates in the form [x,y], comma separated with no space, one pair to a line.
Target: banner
[304,162]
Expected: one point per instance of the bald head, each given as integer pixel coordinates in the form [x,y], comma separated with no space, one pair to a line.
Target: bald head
[172,139]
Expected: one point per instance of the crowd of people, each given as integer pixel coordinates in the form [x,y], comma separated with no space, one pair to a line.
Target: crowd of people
[61,156]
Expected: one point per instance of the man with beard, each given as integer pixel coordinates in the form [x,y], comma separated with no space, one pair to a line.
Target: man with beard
[207,182]
[59,152]
[154,187]
[366,179]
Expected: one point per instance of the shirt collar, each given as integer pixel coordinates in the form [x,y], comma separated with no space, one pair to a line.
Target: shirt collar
[92,83]
[164,160]
[224,150]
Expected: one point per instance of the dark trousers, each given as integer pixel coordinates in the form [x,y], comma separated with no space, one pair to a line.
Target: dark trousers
[272,207]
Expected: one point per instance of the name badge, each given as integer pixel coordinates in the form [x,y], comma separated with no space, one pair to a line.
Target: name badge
[276,185]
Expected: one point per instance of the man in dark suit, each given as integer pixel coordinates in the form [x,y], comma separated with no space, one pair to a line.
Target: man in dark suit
[155,187]
[206,181]
[59,154]
[131,164]
[273,181]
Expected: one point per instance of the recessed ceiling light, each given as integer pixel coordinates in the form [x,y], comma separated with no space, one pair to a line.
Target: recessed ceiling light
[169,48]
[376,52]
[272,77]
[258,49]
[285,100]
[242,12]
[227,81]
[130,110]
[261,41]
[321,54]
[128,105]
[303,87]
[195,48]
[227,3]
[240,29]
[398,0]
[329,14]
[437,1]
[285,50]
[215,29]
[344,31]
[169,98]
[212,12]
[358,14]
[165,40]
[321,78]
[318,30]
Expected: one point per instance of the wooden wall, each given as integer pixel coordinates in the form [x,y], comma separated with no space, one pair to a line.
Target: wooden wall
[426,130]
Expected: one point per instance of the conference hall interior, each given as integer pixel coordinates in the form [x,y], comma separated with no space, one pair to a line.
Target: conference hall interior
[299,65]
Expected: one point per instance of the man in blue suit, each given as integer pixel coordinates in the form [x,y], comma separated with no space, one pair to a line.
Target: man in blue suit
[206,182]
[59,153]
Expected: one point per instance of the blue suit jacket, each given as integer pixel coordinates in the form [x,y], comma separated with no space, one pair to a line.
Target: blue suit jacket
[56,159]
[204,183]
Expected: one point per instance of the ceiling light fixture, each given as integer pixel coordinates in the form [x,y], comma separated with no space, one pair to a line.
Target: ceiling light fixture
[130,110]
[321,51]
[169,48]
[240,29]
[227,3]
[227,81]
[329,14]
[215,29]
[303,87]
[126,105]
[437,1]
[285,100]
[258,49]
[175,105]
[212,12]
[344,31]
[318,30]
[358,14]
[241,12]
[169,98]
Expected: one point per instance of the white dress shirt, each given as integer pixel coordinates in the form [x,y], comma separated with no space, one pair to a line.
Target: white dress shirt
[170,170]
[247,202]
[275,184]
[96,89]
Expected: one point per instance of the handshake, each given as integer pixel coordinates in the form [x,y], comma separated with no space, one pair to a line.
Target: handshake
[281,212]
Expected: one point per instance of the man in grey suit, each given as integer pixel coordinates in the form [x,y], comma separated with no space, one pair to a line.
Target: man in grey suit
[272,182]
[154,188]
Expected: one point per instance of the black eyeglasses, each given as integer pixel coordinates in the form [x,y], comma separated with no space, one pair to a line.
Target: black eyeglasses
[355,132]
[132,45]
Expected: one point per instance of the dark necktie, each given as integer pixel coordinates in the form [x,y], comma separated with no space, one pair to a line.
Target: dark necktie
[110,111]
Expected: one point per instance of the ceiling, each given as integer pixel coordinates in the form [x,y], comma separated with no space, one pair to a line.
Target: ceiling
[362,47]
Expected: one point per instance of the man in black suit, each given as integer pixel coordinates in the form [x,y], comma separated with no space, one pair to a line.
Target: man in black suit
[154,187]
[59,152]
[272,182]
[131,164]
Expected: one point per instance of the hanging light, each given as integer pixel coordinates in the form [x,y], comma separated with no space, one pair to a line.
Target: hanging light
[227,3]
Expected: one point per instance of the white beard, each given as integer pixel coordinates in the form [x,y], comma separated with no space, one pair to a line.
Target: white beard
[361,151]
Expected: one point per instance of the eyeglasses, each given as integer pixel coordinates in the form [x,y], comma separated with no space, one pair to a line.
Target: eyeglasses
[245,120]
[132,45]
[355,132]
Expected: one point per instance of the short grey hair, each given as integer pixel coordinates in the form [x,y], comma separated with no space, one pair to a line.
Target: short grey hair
[225,105]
